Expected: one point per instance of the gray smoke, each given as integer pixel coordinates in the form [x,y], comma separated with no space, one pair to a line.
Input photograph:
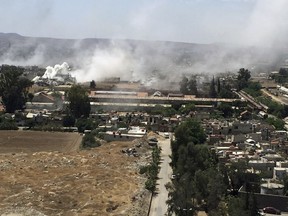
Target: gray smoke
[262,41]
[268,25]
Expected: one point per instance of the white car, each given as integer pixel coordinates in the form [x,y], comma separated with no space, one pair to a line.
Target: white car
[166,135]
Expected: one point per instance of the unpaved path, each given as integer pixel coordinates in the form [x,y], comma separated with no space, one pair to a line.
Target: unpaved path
[159,206]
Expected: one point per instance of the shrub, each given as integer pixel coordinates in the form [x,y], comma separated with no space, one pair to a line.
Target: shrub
[98,132]
[68,121]
[84,124]
[8,126]
[150,185]
[152,170]
[89,141]
[7,123]
[143,169]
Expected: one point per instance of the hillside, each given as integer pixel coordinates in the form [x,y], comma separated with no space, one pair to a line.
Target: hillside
[133,59]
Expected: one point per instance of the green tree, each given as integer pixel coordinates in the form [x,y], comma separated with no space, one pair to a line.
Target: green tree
[89,141]
[192,86]
[181,195]
[244,74]
[236,206]
[212,91]
[92,84]
[68,121]
[190,131]
[13,88]
[225,92]
[279,110]
[216,189]
[150,185]
[187,135]
[252,205]
[226,109]
[253,89]
[30,97]
[218,85]
[243,77]
[184,85]
[164,111]
[85,124]
[189,86]
[243,206]
[79,103]
[201,180]
[187,108]
[276,122]
[152,170]
[7,123]
[198,176]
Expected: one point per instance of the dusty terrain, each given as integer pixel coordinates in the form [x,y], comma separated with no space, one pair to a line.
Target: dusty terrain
[36,141]
[44,173]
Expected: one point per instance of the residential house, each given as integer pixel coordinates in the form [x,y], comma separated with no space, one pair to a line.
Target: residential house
[43,100]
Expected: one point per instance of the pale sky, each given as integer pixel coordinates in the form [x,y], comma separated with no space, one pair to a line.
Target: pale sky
[200,21]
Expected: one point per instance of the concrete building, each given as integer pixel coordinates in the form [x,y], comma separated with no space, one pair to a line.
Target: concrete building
[273,157]
[262,165]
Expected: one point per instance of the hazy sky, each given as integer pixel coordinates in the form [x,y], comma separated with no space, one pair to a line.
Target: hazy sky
[201,21]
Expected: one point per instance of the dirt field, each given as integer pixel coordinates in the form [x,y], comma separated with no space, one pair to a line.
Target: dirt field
[42,173]
[35,141]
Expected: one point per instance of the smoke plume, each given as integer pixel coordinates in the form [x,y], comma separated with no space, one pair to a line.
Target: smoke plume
[52,72]
[259,44]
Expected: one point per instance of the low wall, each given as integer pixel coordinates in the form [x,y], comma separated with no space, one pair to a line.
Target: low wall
[117,137]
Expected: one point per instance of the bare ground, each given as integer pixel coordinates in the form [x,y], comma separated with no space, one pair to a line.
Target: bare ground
[43,173]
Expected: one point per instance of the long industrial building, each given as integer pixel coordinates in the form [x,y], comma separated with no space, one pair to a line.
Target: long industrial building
[141,100]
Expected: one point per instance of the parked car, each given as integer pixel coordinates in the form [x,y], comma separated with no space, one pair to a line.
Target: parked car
[271,210]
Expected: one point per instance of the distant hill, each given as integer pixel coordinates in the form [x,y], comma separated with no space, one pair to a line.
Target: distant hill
[132,57]
[14,47]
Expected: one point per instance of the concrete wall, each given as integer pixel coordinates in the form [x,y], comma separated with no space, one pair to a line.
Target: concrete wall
[117,137]
[264,200]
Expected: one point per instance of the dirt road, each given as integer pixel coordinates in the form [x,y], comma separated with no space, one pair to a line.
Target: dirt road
[159,206]
[273,97]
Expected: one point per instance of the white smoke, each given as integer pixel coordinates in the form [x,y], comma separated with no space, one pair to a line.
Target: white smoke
[156,64]
[12,55]
[267,27]
[57,70]
[104,63]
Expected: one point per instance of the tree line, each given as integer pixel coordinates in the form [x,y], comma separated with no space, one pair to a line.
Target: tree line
[201,181]
[13,88]
[219,87]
